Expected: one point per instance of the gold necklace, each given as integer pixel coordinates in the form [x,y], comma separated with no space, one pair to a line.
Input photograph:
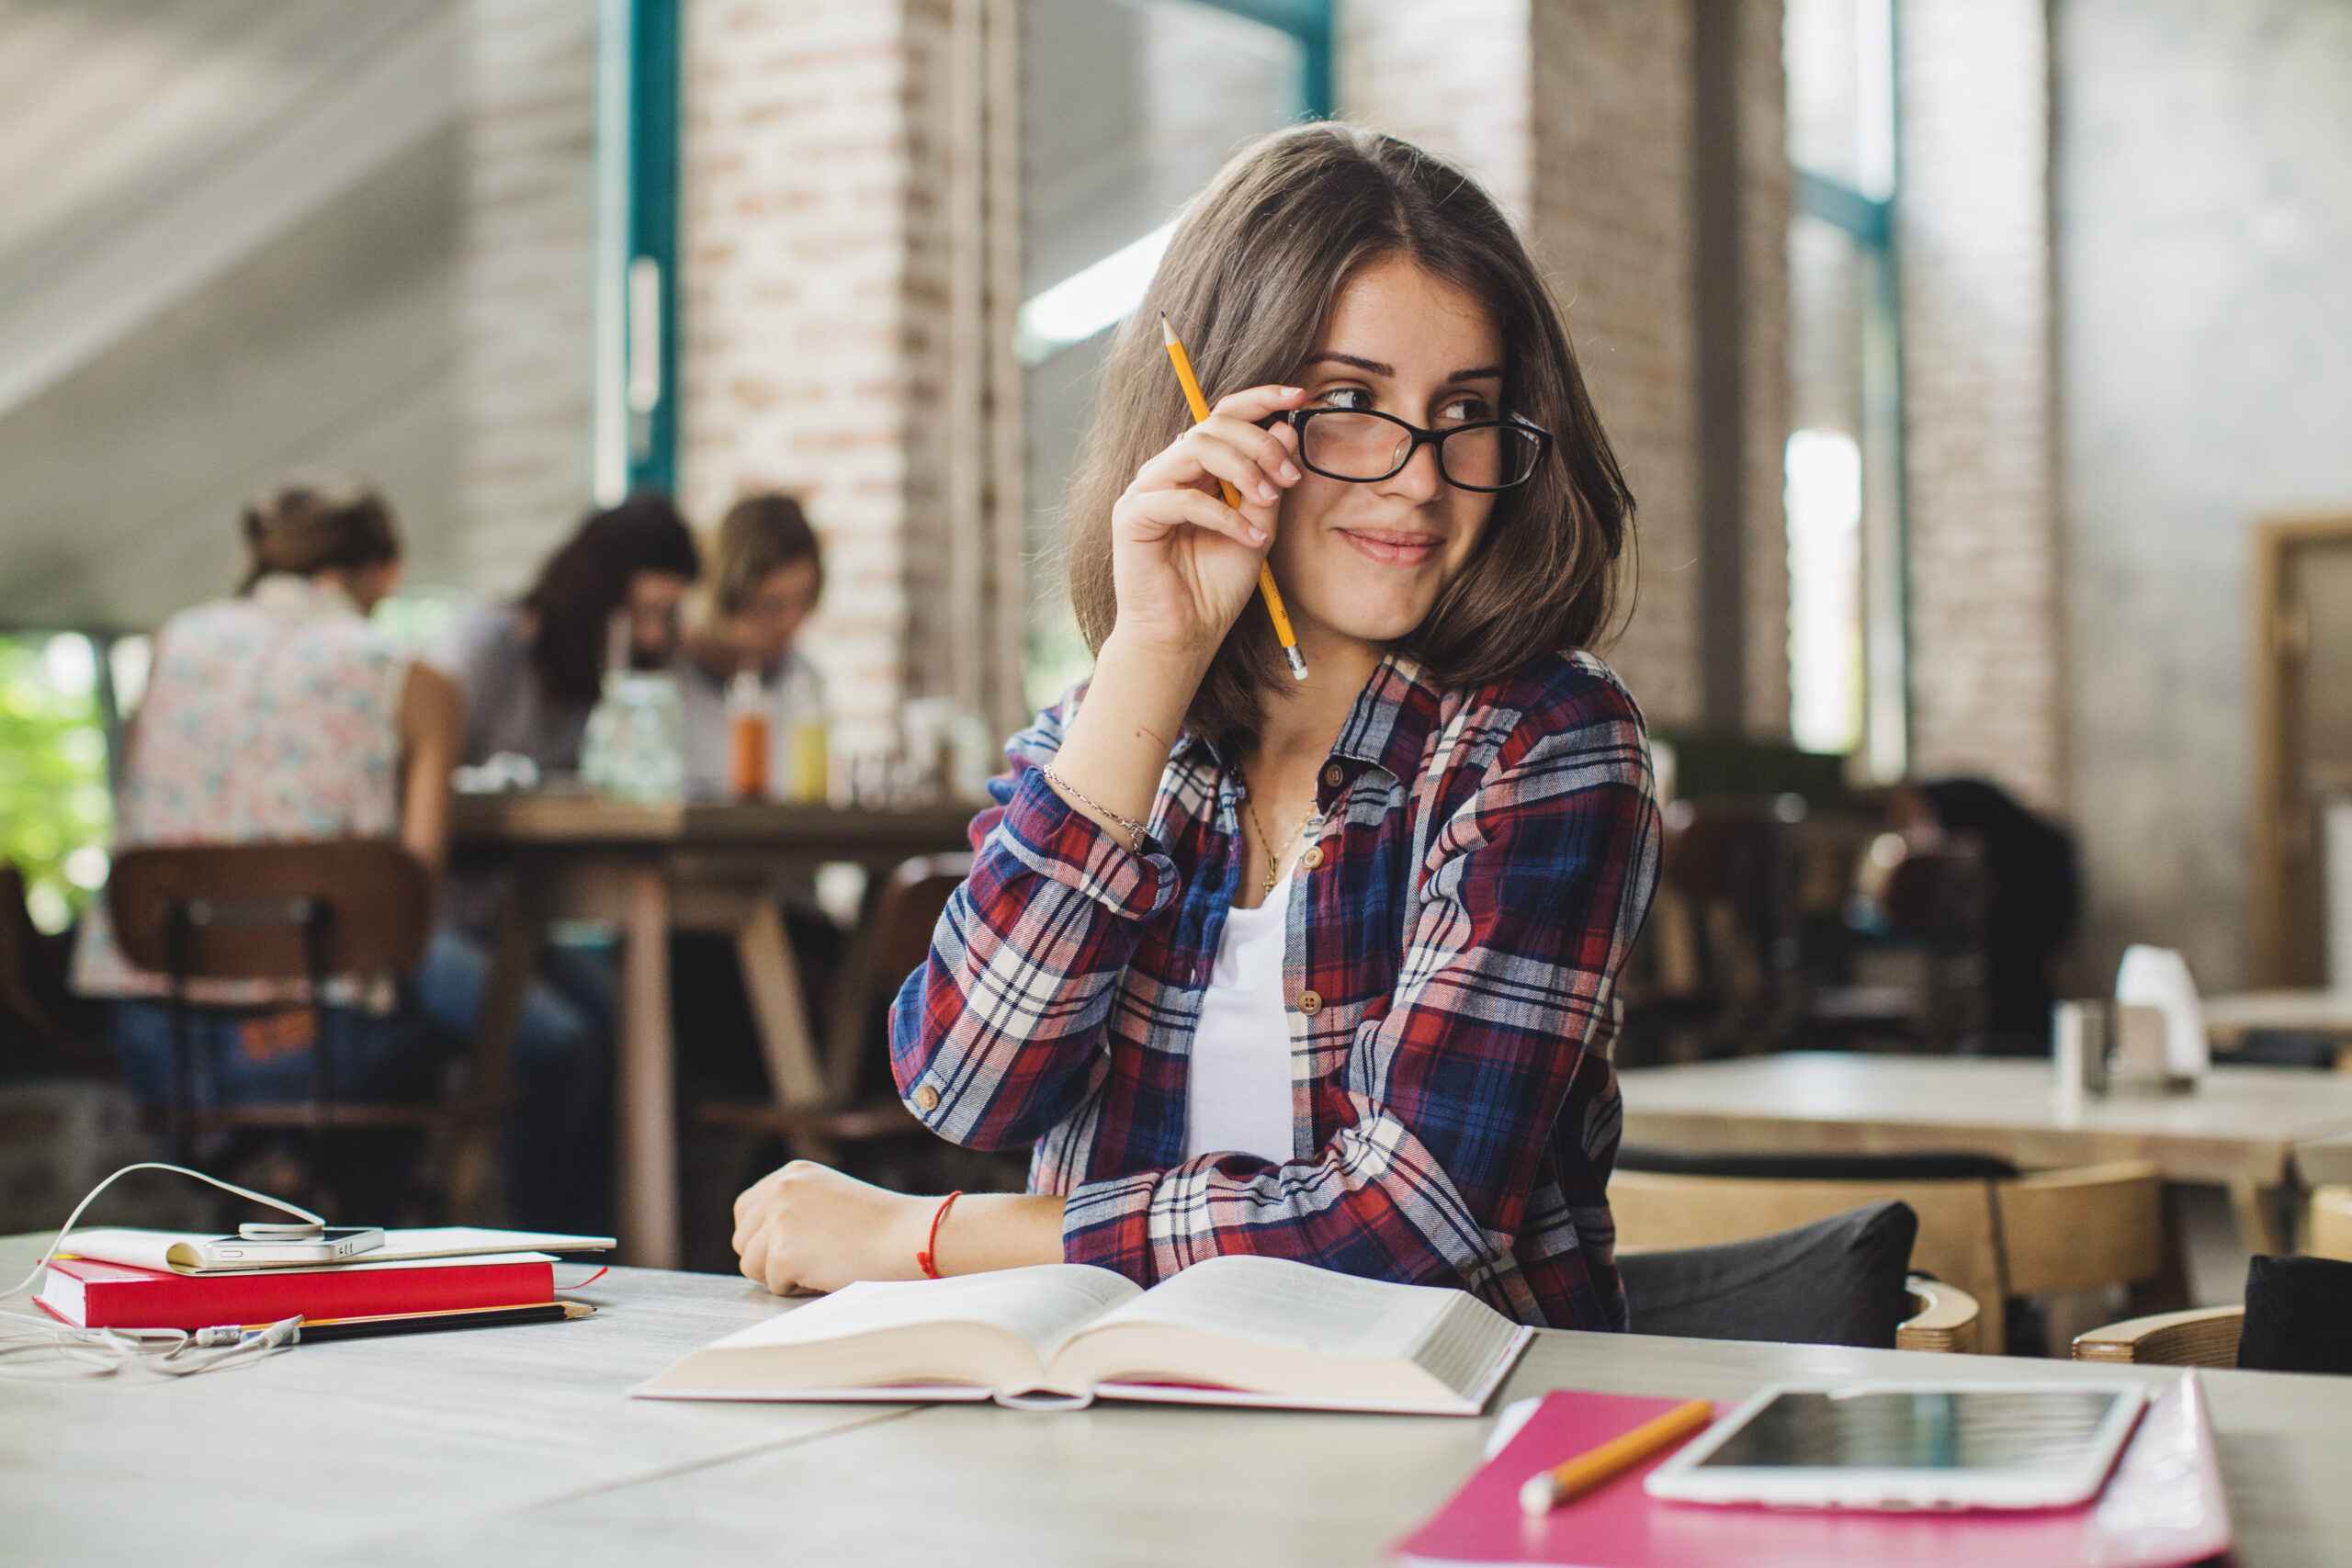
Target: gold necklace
[1274,850]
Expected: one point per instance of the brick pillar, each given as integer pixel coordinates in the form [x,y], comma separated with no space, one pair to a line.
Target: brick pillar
[828,211]
[530,221]
[1614,222]
[1974,247]
[1450,76]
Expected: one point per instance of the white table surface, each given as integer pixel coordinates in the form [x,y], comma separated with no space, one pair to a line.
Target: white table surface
[516,1447]
[2240,1125]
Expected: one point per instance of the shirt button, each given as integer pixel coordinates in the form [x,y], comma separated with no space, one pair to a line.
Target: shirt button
[926,1100]
[1332,775]
[1309,1003]
[1313,857]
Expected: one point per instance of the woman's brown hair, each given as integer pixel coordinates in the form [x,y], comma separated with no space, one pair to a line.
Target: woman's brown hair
[1248,279]
[760,534]
[316,523]
[586,579]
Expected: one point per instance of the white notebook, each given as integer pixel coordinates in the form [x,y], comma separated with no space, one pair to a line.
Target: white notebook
[175,1251]
[1234,1330]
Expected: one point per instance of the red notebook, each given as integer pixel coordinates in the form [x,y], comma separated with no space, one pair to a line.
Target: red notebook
[2161,1507]
[90,1295]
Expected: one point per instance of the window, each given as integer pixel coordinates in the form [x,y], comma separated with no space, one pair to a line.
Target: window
[55,812]
[1128,109]
[1847,679]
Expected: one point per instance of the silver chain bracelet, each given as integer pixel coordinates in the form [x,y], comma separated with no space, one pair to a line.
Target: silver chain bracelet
[1136,831]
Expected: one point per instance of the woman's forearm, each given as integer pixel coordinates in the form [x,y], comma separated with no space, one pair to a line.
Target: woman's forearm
[986,1231]
[1117,745]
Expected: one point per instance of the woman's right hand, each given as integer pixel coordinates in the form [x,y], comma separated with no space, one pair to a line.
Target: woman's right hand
[1183,563]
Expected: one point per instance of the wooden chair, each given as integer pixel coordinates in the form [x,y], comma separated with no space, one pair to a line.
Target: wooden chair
[1947,1319]
[2202,1337]
[1720,971]
[283,911]
[1985,1228]
[1933,901]
[2329,1223]
[898,939]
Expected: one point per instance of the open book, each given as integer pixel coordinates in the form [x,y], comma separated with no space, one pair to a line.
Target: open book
[1234,1330]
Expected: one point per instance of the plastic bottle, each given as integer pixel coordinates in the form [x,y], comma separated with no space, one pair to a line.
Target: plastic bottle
[747,735]
[804,712]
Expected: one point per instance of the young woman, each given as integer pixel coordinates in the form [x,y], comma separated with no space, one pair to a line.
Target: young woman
[532,670]
[1402,1071]
[767,574]
[281,713]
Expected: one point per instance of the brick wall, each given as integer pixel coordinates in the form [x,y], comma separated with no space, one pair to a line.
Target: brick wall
[1451,75]
[796,305]
[530,220]
[1612,226]
[1973,242]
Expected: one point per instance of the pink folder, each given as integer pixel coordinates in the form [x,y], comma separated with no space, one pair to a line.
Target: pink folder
[2161,1507]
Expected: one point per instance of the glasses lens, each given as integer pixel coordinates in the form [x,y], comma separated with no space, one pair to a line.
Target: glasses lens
[1354,445]
[1490,456]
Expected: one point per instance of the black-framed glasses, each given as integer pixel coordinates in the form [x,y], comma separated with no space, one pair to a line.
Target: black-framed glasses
[1364,447]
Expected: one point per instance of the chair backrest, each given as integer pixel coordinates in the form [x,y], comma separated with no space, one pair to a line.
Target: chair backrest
[2330,1223]
[1838,1280]
[243,907]
[1992,1234]
[2200,1337]
[909,911]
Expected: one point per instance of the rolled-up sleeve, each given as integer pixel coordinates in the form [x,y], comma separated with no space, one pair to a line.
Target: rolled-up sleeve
[1003,1030]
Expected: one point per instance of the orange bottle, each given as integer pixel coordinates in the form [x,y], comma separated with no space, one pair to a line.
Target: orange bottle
[747,737]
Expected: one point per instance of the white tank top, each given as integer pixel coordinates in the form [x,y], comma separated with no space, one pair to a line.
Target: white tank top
[1238,1098]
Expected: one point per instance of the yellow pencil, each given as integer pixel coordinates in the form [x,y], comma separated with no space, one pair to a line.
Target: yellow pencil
[1547,1489]
[1273,595]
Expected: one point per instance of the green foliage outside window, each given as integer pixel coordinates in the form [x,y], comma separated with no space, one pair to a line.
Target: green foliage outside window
[55,813]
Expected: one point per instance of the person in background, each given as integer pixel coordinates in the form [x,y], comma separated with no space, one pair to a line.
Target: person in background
[531,670]
[767,574]
[766,577]
[281,713]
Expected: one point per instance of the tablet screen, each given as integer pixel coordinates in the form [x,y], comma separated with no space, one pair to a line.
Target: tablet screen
[1972,1430]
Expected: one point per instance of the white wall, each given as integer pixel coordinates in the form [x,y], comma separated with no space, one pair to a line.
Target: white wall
[2204,211]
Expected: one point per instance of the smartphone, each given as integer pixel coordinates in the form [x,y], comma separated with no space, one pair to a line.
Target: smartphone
[331,1245]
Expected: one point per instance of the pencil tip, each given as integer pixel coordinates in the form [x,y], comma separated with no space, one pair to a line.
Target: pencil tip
[1166,330]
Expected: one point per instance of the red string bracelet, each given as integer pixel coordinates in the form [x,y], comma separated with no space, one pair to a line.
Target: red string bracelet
[923,1259]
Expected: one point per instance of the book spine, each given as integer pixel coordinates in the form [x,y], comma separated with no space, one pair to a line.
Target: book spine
[179,1303]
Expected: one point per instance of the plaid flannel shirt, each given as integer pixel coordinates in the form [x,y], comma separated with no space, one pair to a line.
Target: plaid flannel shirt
[1479,868]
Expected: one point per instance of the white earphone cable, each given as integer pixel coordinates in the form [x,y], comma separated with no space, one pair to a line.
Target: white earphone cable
[102,1352]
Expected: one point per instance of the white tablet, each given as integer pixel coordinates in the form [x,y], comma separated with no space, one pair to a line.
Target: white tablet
[2023,1445]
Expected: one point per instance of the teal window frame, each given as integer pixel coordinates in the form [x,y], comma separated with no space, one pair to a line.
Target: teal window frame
[640,50]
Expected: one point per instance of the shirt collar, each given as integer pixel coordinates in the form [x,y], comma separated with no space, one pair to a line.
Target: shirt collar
[304,595]
[1388,727]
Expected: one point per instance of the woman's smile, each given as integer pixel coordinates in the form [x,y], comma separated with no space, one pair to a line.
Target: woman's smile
[1394,546]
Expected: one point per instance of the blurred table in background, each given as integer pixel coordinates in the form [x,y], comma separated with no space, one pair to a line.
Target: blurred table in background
[2230,1017]
[2238,1130]
[651,869]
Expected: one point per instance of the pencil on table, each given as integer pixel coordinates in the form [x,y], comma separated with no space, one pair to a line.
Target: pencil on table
[1273,595]
[1547,1489]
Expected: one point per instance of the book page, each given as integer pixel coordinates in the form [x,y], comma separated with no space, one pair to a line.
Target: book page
[1291,1304]
[1041,1305]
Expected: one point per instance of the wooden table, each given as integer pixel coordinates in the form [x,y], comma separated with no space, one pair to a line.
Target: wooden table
[652,868]
[2237,1131]
[516,1448]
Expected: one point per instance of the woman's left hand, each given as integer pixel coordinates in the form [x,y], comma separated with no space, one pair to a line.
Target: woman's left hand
[807,1228]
